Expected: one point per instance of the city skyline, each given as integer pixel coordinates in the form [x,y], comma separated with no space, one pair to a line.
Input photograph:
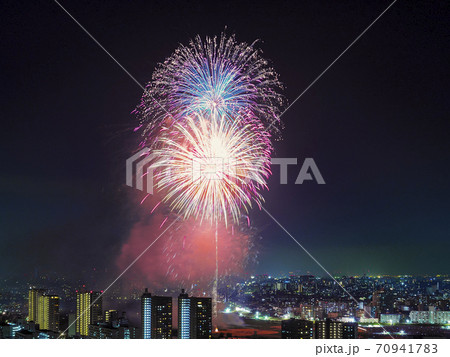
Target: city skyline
[294,306]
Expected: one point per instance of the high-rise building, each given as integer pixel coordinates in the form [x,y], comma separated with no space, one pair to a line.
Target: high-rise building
[184,316]
[43,309]
[33,303]
[146,315]
[40,312]
[48,312]
[295,328]
[194,317]
[97,306]
[156,316]
[89,311]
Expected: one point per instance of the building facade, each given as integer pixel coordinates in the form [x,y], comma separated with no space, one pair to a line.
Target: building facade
[430,317]
[390,318]
[43,309]
[89,311]
[156,316]
[48,317]
[194,317]
[33,303]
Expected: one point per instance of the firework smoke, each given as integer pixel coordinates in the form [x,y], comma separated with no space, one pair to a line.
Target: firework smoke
[185,256]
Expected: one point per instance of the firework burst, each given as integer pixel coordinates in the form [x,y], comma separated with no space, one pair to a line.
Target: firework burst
[209,167]
[211,76]
[208,116]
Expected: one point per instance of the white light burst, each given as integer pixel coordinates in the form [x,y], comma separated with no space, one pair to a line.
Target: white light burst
[210,167]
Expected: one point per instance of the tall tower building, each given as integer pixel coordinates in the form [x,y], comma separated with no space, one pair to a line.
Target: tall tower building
[33,303]
[194,317]
[40,314]
[48,317]
[89,311]
[156,316]
[184,316]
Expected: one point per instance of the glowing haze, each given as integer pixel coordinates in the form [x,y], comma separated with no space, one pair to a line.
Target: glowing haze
[185,256]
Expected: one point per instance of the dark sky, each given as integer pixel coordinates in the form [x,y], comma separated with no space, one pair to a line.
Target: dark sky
[376,124]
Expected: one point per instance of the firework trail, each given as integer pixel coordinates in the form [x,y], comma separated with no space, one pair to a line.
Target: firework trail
[209,115]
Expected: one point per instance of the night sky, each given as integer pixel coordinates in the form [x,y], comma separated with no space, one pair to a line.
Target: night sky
[376,124]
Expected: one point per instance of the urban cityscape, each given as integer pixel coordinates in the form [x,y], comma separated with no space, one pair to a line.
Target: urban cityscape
[262,306]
